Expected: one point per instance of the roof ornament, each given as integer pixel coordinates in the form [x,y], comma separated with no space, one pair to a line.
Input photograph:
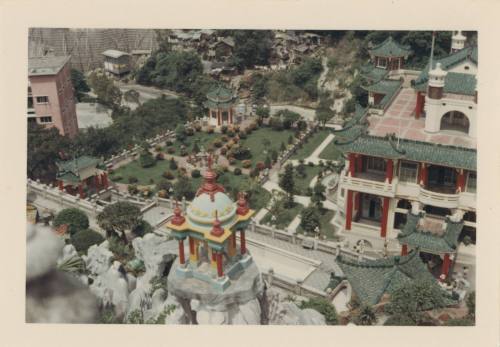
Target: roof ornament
[242,209]
[210,185]
[178,218]
[217,229]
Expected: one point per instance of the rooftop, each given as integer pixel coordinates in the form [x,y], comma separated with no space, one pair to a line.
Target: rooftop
[390,48]
[113,53]
[47,65]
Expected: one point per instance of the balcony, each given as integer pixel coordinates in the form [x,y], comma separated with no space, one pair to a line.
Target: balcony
[414,191]
[369,183]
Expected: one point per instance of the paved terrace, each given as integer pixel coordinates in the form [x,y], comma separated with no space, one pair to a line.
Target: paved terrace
[399,119]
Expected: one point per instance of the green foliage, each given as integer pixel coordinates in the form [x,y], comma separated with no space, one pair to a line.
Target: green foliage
[83,239]
[135,317]
[310,219]
[122,251]
[79,84]
[183,188]
[365,316]
[251,47]
[132,95]
[324,307]
[318,194]
[286,181]
[400,320]
[120,216]
[107,316]
[287,118]
[167,311]
[142,228]
[105,89]
[460,322]
[412,299]
[76,219]
[262,111]
[146,159]
[74,264]
[470,301]
[172,164]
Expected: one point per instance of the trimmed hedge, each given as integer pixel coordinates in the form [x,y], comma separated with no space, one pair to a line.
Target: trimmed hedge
[83,239]
[76,219]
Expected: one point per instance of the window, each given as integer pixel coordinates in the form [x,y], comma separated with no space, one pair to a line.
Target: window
[408,172]
[375,164]
[466,67]
[382,62]
[30,102]
[471,182]
[47,119]
[42,99]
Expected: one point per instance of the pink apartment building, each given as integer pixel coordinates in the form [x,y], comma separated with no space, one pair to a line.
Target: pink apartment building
[51,101]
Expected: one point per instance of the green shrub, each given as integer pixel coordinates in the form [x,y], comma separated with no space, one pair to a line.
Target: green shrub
[195,173]
[143,228]
[132,179]
[76,219]
[324,307]
[168,175]
[173,164]
[132,189]
[83,239]
[223,129]
[117,178]
[237,171]
[146,160]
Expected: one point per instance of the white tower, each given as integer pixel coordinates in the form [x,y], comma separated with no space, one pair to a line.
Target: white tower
[433,99]
[457,41]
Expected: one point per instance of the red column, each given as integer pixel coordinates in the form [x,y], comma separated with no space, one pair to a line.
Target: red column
[230,116]
[348,213]
[220,271]
[420,105]
[105,182]
[385,216]
[243,243]
[461,181]
[359,163]
[446,265]
[233,240]
[389,170]
[182,258]
[404,249]
[80,191]
[352,160]
[218,118]
[96,182]
[61,185]
[422,174]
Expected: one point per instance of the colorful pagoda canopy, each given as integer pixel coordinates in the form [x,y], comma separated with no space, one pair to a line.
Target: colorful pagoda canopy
[220,97]
[354,138]
[78,169]
[390,49]
[371,279]
[455,82]
[427,241]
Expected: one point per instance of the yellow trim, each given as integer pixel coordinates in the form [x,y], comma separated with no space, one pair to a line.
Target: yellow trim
[247,216]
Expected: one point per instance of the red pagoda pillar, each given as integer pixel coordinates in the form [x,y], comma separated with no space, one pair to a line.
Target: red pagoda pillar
[104,180]
[243,244]
[191,248]
[218,117]
[404,249]
[80,191]
[182,258]
[389,170]
[220,271]
[420,105]
[446,267]
[230,111]
[61,185]
[385,217]
[422,175]
[348,213]
[96,182]
[359,163]
[352,167]
[461,181]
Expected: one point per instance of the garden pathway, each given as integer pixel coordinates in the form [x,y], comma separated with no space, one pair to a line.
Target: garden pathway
[292,227]
[314,157]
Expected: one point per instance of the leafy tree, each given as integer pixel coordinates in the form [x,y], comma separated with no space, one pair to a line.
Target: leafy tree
[75,219]
[323,115]
[262,112]
[259,87]
[172,164]
[183,188]
[412,299]
[282,147]
[318,194]
[105,89]
[132,95]
[79,84]
[146,159]
[310,219]
[287,117]
[286,181]
[180,132]
[324,307]
[120,217]
[142,228]
[85,238]
[251,47]
[365,316]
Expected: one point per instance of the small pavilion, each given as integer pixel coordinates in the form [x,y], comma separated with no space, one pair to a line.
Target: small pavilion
[80,174]
[220,103]
[211,223]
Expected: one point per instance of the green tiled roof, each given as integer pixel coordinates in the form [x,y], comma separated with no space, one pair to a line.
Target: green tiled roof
[371,279]
[458,83]
[373,73]
[390,147]
[220,96]
[390,48]
[386,87]
[69,170]
[427,241]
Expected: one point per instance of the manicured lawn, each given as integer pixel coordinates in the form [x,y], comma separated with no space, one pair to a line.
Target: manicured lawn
[285,218]
[301,184]
[255,142]
[326,227]
[309,147]
[144,175]
[234,184]
[203,138]
[331,152]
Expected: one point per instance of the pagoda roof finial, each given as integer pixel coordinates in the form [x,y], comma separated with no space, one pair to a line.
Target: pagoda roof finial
[243,208]
[178,218]
[210,185]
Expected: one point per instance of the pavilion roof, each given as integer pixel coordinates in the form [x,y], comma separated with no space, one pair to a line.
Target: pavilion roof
[455,83]
[371,279]
[373,73]
[69,170]
[221,97]
[427,241]
[390,48]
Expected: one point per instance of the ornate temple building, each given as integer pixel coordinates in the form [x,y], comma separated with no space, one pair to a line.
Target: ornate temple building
[220,103]
[82,175]
[410,175]
[210,226]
